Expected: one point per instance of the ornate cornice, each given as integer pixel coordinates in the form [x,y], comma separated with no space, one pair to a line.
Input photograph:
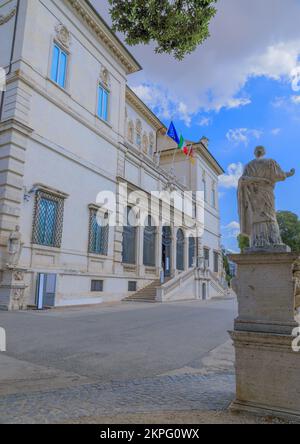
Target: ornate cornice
[143,109]
[93,20]
[5,18]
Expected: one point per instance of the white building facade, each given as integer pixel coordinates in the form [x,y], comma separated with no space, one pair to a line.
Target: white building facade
[70,128]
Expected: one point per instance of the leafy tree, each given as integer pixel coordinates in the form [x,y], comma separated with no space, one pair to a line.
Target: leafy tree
[289,225]
[177,26]
[243,242]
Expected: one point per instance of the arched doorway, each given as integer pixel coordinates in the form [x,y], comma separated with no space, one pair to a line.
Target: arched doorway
[166,250]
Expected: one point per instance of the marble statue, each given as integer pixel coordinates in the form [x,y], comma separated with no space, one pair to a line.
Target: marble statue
[14,247]
[257,201]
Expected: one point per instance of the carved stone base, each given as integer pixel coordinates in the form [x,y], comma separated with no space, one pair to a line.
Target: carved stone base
[12,289]
[271,249]
[267,375]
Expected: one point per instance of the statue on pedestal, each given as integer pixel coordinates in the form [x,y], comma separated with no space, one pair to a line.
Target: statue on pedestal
[14,247]
[257,202]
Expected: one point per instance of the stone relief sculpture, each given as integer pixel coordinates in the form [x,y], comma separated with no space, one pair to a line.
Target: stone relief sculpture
[63,35]
[14,247]
[256,201]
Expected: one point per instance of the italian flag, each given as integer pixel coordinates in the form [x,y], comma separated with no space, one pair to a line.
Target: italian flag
[189,152]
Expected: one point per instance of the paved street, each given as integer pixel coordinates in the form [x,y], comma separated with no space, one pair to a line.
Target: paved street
[127,358]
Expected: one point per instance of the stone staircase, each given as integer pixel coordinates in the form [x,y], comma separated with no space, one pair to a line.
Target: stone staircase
[146,294]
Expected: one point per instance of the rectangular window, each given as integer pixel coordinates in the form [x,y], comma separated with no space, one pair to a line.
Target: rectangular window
[48,220]
[103,99]
[59,66]
[132,286]
[216,262]
[97,286]
[98,234]
[206,256]
[213,197]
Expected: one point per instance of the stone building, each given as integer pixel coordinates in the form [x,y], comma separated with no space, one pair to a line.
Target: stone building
[70,127]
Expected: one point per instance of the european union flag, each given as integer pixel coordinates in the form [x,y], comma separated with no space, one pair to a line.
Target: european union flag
[172,133]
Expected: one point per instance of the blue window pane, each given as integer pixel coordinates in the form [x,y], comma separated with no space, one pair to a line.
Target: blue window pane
[100,102]
[62,69]
[103,103]
[55,62]
[59,66]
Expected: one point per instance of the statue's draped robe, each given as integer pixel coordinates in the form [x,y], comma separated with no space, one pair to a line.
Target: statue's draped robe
[257,202]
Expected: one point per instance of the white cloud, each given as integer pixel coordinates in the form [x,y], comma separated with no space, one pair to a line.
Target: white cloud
[166,106]
[295,100]
[276,131]
[231,230]
[243,135]
[205,121]
[246,41]
[231,178]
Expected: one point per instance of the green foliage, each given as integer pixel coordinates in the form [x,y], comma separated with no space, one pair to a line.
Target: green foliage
[226,267]
[289,225]
[177,26]
[243,242]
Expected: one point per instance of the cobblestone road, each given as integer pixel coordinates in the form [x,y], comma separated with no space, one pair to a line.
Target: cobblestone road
[166,393]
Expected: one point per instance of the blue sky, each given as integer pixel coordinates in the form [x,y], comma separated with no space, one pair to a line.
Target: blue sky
[239,89]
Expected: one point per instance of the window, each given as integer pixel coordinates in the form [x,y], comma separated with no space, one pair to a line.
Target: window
[192,251]
[216,262]
[98,233]
[48,220]
[206,257]
[180,250]
[204,189]
[151,144]
[103,99]
[213,196]
[149,243]
[59,66]
[97,286]
[130,131]
[129,239]
[132,286]
[145,144]
[138,128]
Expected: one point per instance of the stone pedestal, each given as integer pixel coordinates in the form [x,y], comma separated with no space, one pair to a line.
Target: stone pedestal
[12,289]
[267,368]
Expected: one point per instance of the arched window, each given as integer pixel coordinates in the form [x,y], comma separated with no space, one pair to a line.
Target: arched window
[149,243]
[180,250]
[129,239]
[192,251]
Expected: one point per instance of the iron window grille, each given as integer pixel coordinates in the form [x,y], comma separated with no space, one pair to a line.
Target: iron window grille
[98,234]
[97,286]
[132,286]
[48,219]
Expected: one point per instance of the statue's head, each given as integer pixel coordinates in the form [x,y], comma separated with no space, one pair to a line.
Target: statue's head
[259,152]
[17,228]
